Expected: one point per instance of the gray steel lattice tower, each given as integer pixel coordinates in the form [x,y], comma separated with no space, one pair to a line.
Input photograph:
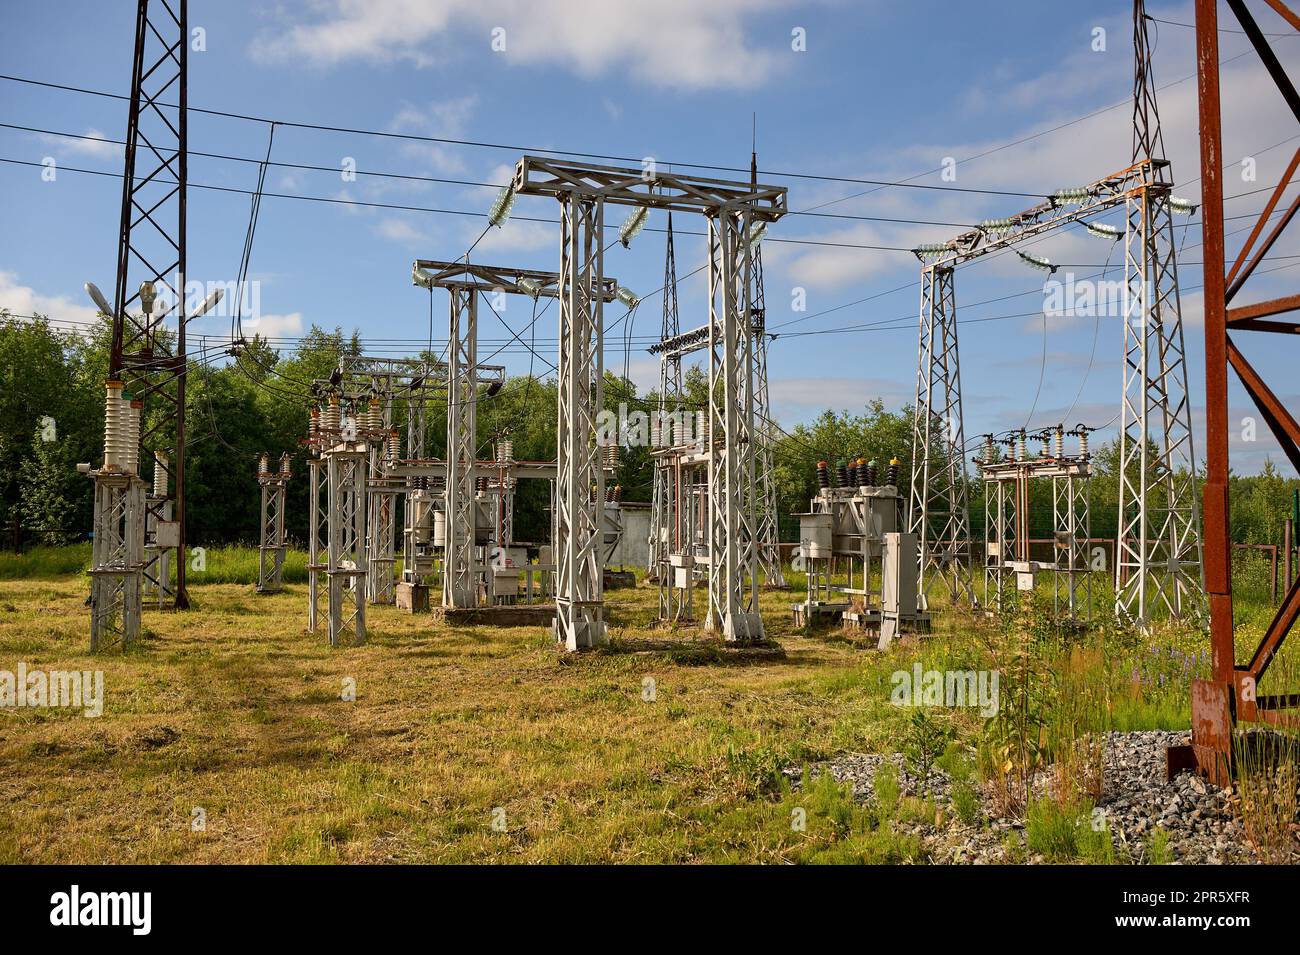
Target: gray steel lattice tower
[1158,559]
[939,512]
[669,410]
[764,487]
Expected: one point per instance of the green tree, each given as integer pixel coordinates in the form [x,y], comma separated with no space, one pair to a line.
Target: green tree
[49,488]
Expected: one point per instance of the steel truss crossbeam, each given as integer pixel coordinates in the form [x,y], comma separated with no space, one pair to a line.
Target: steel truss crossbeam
[1233,693]
[731,208]
[465,282]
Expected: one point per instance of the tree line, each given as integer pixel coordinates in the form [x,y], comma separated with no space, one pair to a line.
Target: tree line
[51,419]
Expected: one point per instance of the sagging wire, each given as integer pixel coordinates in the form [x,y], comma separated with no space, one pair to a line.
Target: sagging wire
[255,204]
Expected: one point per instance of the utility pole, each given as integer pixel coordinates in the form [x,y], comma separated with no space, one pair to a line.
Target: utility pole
[148,348]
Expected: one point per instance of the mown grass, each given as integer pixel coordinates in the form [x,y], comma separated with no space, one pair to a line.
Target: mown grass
[477,744]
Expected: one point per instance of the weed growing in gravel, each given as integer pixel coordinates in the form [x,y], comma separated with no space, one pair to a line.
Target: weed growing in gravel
[1267,778]
[840,830]
[963,789]
[1094,843]
[1013,848]
[1052,830]
[927,736]
[1158,851]
[887,790]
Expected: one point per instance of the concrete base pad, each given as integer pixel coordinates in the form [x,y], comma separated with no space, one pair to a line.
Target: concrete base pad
[617,579]
[507,615]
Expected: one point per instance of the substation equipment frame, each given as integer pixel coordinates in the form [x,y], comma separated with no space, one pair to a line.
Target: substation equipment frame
[117,547]
[340,560]
[732,210]
[1232,695]
[1158,562]
[680,486]
[368,387]
[852,525]
[478,496]
[1008,483]
[272,544]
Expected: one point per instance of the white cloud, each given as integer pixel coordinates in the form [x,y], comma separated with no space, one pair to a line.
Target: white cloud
[96,144]
[24,300]
[446,119]
[797,399]
[400,230]
[1075,154]
[672,43]
[272,326]
[517,236]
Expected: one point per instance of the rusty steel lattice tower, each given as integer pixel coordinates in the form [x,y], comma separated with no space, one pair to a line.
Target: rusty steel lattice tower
[1233,693]
[148,347]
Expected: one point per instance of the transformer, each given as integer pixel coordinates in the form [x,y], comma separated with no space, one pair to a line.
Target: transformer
[862,570]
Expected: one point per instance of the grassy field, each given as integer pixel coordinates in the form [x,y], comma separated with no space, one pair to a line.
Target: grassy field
[484,744]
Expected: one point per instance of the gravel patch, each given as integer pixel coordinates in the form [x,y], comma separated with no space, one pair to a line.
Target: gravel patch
[1198,816]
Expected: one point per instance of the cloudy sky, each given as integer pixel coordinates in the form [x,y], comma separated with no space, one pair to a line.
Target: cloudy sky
[1025,100]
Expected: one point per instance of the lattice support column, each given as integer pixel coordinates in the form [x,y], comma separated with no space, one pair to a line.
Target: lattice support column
[317,544]
[460,570]
[272,543]
[767,531]
[939,514]
[382,558]
[156,582]
[117,561]
[733,578]
[1158,564]
[1072,581]
[580,484]
[669,411]
[346,570]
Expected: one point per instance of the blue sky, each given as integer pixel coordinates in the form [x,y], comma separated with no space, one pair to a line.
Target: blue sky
[882,91]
